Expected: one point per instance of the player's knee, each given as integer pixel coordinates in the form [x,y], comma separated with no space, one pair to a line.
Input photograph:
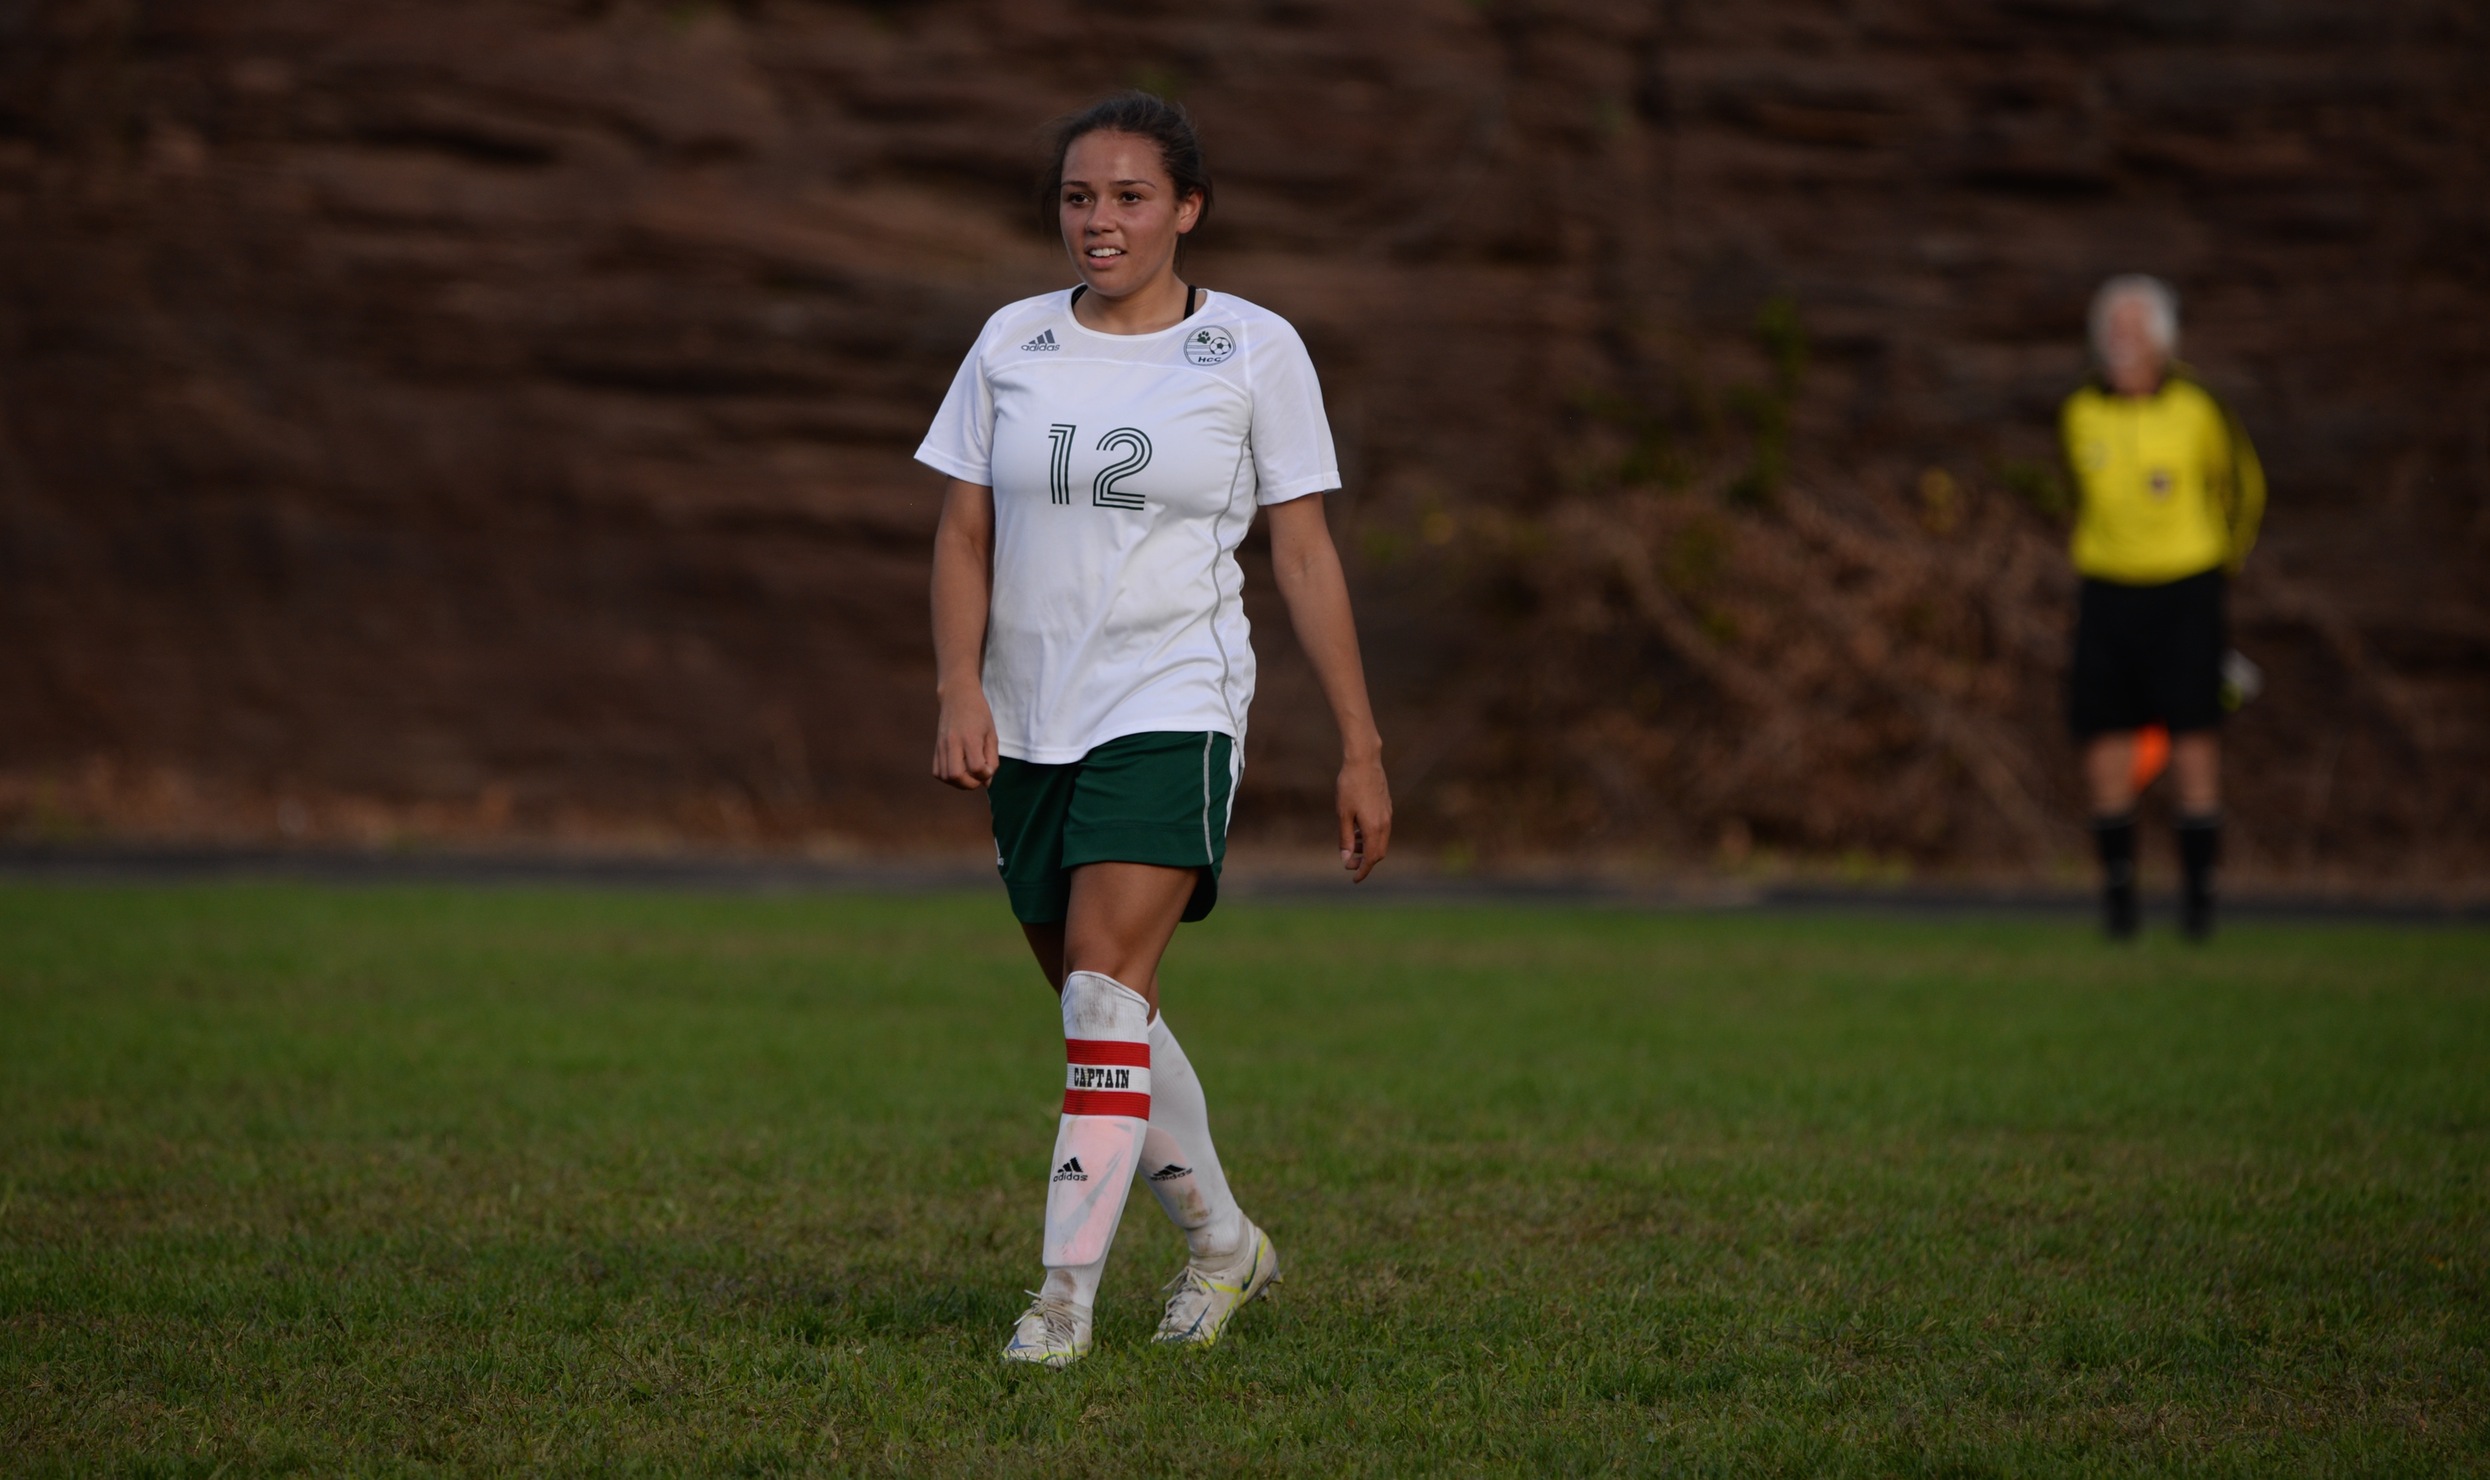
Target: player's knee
[1096,1005]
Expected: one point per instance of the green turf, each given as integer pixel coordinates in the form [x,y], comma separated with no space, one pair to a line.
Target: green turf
[423,1180]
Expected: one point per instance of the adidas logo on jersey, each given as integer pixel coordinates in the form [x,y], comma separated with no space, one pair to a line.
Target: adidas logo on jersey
[1071,1171]
[1045,340]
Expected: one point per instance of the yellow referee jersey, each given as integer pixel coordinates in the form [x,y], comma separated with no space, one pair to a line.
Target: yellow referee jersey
[2168,486]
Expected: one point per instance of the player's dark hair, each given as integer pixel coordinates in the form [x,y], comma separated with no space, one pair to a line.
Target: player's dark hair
[1143,115]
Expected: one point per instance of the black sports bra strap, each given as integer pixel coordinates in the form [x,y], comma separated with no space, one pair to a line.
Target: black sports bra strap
[1192,298]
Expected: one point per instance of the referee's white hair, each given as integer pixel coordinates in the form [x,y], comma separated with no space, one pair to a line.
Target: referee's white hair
[2161,309]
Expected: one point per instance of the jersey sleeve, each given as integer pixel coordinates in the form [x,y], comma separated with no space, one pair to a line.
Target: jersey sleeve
[1291,437]
[961,440]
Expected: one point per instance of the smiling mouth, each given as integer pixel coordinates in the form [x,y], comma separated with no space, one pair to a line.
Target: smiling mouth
[1102,254]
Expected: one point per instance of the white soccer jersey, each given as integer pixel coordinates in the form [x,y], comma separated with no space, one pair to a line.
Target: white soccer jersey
[1126,469]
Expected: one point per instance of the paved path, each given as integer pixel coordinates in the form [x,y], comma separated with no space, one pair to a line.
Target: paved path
[760,873]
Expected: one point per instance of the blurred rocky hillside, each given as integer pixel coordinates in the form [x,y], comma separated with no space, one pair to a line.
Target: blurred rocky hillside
[491,417]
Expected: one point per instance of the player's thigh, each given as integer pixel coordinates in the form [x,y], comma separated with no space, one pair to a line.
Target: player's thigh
[1147,821]
[1121,918]
[1160,798]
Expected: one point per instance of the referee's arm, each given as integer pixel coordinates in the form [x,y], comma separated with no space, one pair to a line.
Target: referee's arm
[2243,493]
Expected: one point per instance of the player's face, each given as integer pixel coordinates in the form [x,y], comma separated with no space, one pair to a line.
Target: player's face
[1121,214]
[2130,358]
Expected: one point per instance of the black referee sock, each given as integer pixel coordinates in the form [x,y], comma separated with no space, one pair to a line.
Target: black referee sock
[2200,848]
[2115,838]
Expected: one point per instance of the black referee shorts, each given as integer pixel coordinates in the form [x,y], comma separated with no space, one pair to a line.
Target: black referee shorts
[2147,655]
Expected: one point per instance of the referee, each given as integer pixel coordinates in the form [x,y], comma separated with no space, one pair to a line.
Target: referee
[2169,497]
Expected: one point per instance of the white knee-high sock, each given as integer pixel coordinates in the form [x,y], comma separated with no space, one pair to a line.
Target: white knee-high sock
[1178,1158]
[1106,1110]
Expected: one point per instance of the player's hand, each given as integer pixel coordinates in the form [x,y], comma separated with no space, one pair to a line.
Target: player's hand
[966,753]
[1365,802]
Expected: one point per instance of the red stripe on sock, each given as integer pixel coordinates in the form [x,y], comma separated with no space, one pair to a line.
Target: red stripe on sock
[1106,1102]
[1106,1051]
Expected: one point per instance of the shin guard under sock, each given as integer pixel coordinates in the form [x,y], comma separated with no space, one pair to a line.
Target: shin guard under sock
[2115,839]
[2200,848]
[1106,1110]
[1177,1156]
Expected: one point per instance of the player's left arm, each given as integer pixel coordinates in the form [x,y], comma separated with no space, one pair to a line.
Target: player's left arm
[1307,567]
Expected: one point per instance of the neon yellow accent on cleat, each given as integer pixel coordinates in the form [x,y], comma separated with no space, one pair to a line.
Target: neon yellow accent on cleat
[1201,1302]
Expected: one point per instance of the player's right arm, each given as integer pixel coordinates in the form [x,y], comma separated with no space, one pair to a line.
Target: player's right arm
[966,752]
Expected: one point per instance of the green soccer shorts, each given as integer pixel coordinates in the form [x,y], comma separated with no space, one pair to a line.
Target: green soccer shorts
[1160,797]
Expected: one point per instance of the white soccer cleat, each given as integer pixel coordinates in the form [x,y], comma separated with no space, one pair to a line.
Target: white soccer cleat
[1051,1333]
[1202,1299]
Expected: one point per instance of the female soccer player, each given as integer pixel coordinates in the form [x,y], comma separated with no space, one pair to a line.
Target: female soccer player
[1107,446]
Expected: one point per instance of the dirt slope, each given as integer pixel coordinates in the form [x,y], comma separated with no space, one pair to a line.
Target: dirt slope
[493,417]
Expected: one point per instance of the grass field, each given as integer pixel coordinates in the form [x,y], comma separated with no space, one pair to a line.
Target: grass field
[438,1180]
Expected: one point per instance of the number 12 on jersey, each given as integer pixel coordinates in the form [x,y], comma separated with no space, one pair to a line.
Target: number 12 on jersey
[1129,441]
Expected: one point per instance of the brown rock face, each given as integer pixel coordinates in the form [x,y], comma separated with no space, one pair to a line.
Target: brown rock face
[494,416]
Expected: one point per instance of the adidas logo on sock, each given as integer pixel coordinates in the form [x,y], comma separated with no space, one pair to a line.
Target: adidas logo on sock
[1071,1171]
[1170,1173]
[1045,340]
